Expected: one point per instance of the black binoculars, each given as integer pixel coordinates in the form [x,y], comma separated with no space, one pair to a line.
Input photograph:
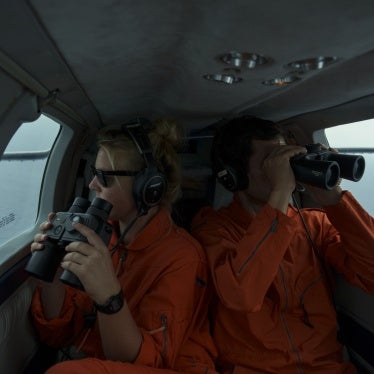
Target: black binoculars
[44,264]
[322,168]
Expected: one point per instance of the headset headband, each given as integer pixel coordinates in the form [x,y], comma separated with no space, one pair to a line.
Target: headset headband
[135,128]
[149,184]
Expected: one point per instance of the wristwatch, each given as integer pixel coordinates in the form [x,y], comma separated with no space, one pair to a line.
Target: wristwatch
[113,305]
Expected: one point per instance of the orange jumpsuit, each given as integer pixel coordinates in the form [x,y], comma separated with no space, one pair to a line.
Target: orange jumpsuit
[274,312]
[164,278]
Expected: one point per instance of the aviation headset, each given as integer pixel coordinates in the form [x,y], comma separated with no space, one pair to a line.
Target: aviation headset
[149,184]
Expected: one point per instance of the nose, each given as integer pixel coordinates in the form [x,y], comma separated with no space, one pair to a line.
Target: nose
[94,184]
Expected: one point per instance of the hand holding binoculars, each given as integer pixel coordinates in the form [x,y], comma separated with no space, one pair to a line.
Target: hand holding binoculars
[44,264]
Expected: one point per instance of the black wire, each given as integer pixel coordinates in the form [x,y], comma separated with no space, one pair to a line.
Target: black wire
[65,355]
[126,230]
[316,251]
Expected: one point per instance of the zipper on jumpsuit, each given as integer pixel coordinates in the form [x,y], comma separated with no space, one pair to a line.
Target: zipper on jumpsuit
[271,229]
[284,322]
[164,325]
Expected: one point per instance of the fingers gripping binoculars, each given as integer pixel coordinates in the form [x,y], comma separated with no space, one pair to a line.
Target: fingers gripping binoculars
[44,264]
[322,168]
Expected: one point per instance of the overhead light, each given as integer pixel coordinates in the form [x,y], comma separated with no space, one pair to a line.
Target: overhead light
[312,63]
[244,60]
[282,81]
[223,78]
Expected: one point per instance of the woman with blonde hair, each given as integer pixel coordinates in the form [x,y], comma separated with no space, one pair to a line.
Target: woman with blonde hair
[144,304]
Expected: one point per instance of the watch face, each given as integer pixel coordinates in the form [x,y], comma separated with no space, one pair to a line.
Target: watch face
[113,305]
[116,304]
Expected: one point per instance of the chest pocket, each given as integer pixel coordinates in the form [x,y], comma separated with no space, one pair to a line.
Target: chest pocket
[159,326]
[161,333]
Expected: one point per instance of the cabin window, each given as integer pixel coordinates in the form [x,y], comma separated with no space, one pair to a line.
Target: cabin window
[21,168]
[357,138]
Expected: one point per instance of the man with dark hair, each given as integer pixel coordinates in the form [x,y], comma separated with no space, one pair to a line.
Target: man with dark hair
[274,311]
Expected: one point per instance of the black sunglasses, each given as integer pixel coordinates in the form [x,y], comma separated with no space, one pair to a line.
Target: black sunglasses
[101,174]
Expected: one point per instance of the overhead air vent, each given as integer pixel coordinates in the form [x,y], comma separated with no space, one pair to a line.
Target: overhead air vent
[282,81]
[309,64]
[244,60]
[223,78]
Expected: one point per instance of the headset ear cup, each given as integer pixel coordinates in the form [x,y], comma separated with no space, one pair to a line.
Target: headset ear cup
[154,189]
[149,187]
[231,178]
[228,178]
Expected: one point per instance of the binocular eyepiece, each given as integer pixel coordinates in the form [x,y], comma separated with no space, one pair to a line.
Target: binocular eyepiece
[44,264]
[324,169]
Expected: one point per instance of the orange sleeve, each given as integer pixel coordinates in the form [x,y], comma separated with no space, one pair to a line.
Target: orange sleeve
[56,332]
[61,331]
[349,246]
[244,264]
